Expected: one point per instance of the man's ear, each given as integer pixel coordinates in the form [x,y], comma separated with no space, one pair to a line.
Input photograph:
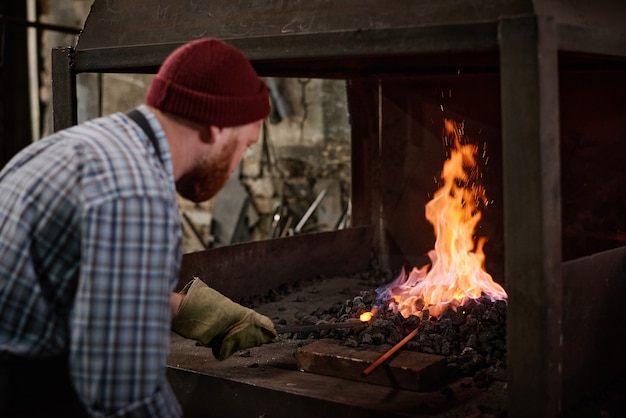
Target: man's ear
[211,134]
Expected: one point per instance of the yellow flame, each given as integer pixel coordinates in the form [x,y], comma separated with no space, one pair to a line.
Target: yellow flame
[456,273]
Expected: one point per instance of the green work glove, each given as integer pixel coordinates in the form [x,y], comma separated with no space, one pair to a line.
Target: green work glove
[216,321]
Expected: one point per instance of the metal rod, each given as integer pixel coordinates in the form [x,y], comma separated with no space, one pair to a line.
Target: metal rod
[319,327]
[310,211]
[33,52]
[390,352]
[40,25]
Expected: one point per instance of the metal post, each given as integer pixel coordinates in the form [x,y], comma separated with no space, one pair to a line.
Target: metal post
[532,214]
[64,103]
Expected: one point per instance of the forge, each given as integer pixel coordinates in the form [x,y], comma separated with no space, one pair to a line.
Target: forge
[312,373]
[541,83]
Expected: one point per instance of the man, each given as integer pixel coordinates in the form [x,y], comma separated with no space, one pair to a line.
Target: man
[90,244]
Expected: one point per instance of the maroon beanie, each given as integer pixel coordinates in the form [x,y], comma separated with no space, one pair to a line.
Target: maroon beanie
[208,81]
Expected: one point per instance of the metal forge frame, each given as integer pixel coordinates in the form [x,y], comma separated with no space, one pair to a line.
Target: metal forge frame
[523,41]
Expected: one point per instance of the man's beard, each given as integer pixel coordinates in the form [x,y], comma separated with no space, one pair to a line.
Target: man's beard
[208,177]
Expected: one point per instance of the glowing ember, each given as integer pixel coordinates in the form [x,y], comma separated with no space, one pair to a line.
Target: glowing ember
[456,273]
[366,316]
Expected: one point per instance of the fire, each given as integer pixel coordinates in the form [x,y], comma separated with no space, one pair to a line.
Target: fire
[366,316]
[456,273]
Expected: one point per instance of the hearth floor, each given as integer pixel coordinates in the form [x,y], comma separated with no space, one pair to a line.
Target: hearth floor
[265,381]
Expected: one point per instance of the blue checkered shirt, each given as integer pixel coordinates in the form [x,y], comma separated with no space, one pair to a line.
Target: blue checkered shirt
[90,249]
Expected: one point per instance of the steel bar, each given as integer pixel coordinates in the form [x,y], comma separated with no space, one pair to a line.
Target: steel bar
[319,327]
[40,25]
[310,211]
[391,352]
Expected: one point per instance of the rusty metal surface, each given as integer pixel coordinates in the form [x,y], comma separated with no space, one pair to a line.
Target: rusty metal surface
[123,23]
[323,54]
[265,381]
[269,380]
[593,321]
[137,36]
[407,370]
[253,268]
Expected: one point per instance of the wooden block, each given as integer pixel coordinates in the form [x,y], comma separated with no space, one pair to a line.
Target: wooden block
[405,370]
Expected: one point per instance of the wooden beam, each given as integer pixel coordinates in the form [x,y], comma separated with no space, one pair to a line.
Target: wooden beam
[406,370]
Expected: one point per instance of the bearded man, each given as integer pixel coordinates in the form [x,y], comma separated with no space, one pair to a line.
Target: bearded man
[90,244]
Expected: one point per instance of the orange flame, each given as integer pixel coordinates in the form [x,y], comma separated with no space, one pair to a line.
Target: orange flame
[456,273]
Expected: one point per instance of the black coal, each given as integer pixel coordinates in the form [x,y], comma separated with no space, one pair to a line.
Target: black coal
[472,337]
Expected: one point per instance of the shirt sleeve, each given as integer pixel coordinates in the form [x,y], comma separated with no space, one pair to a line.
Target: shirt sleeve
[120,325]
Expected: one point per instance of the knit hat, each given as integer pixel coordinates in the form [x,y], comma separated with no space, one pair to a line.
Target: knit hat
[208,81]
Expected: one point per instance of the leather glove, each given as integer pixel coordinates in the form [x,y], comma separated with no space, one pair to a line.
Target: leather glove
[216,321]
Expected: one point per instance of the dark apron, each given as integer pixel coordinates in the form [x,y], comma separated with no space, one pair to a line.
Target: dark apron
[33,388]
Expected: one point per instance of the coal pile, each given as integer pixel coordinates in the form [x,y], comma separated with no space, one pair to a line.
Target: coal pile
[472,338]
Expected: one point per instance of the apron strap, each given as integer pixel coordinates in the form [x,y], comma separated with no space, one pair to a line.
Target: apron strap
[143,123]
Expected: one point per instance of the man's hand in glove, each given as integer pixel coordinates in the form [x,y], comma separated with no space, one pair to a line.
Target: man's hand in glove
[216,321]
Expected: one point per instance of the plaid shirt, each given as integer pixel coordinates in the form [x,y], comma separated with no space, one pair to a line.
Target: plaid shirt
[90,249]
